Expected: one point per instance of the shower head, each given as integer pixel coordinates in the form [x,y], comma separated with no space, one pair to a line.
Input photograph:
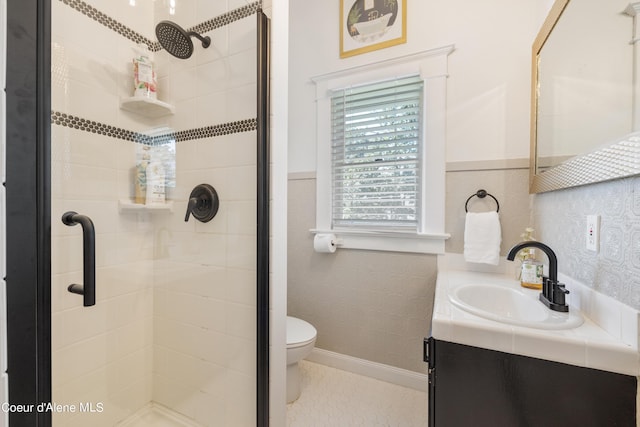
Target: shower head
[175,40]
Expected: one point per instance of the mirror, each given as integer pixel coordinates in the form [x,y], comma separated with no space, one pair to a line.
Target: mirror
[583,95]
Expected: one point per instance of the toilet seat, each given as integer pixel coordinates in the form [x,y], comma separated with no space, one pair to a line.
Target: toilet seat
[301,337]
[299,332]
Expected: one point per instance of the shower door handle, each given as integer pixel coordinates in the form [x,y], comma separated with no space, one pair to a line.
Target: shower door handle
[88,289]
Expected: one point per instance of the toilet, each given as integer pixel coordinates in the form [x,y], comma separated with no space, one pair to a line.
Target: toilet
[301,337]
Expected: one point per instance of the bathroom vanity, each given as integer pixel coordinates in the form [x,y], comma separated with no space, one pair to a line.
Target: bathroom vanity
[504,363]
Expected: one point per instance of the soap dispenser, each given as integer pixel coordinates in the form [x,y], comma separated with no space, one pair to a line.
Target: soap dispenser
[532,271]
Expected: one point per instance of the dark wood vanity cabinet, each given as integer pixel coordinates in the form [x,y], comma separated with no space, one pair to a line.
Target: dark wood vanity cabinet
[475,387]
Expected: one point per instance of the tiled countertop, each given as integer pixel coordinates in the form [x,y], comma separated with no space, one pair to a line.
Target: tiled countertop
[607,340]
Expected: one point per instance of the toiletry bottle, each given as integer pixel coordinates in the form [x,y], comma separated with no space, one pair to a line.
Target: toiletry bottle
[144,76]
[532,271]
[140,183]
[155,183]
[140,174]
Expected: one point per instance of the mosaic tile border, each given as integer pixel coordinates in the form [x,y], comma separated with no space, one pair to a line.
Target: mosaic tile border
[227,18]
[79,123]
[110,23]
[154,46]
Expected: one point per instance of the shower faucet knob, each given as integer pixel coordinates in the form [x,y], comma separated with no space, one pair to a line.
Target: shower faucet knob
[203,203]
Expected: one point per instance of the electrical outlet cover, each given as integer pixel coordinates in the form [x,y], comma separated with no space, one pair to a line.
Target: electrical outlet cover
[593,232]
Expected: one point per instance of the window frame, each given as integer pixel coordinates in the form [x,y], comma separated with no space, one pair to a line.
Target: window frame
[354,155]
[431,66]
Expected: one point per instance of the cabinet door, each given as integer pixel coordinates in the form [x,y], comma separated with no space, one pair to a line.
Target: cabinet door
[477,387]
[429,354]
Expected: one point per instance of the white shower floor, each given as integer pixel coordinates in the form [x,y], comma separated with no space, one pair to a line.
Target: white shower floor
[154,415]
[332,397]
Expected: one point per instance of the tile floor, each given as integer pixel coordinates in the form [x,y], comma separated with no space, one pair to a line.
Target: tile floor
[155,415]
[330,398]
[333,398]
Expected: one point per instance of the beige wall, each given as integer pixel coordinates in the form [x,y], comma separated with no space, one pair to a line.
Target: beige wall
[509,186]
[367,304]
[488,85]
[377,305]
[487,119]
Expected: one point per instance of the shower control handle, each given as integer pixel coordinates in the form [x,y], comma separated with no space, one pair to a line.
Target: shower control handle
[88,289]
[193,203]
[203,203]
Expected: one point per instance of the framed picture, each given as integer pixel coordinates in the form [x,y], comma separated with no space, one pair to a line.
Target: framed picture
[368,25]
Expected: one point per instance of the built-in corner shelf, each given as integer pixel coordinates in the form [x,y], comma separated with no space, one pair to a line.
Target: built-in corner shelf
[147,107]
[127,206]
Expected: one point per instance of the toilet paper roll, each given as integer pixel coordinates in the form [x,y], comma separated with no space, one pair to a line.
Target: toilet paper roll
[324,243]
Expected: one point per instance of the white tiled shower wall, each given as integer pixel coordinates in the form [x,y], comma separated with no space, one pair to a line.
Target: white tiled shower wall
[204,300]
[175,314]
[103,353]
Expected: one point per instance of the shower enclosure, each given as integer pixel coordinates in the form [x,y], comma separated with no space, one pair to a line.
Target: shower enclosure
[131,300]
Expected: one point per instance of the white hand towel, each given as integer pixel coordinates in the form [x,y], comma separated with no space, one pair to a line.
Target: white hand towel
[482,237]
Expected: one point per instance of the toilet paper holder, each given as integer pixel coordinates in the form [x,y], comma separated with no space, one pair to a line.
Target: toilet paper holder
[326,242]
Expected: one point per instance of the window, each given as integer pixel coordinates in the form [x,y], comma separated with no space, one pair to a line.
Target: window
[381,154]
[376,151]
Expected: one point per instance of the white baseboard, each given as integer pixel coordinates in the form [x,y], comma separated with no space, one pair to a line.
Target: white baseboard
[367,368]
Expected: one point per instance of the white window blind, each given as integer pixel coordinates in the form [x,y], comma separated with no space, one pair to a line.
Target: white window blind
[376,154]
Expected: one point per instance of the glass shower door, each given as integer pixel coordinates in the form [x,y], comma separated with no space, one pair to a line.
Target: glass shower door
[171,337]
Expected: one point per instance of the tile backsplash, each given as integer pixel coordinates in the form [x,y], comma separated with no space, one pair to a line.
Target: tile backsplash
[560,219]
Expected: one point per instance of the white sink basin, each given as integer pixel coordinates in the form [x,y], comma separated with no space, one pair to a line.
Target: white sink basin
[513,306]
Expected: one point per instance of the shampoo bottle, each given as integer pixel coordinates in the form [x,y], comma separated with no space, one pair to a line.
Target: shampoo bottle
[155,184]
[144,76]
[140,175]
[532,271]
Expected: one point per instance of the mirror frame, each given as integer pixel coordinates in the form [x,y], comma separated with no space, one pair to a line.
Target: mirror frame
[613,160]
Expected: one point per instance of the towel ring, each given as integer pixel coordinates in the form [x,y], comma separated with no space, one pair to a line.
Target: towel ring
[481,194]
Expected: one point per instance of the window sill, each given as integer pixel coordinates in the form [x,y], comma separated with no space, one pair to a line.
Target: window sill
[391,241]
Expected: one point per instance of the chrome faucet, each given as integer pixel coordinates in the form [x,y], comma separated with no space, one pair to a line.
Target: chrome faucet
[553,292]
